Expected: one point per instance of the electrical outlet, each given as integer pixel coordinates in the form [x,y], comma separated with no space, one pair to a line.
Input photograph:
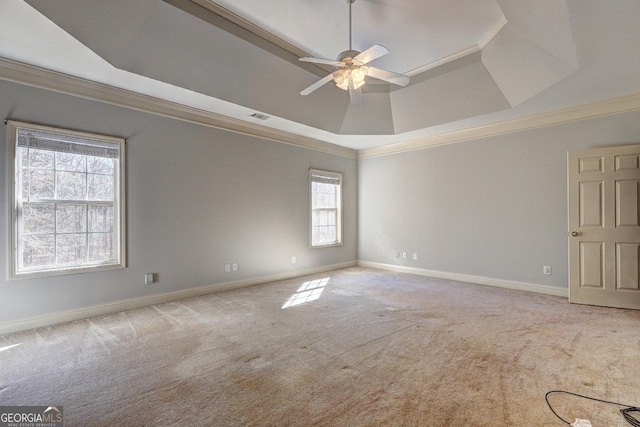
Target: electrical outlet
[234,266]
[293,259]
[415,256]
[227,268]
[404,255]
[546,270]
[148,278]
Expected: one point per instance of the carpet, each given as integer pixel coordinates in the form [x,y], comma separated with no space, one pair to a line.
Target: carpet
[353,347]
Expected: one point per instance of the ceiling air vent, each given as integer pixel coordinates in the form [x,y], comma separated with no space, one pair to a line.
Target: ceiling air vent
[260,116]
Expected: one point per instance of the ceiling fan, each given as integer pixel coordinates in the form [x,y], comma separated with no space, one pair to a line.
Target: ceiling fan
[352,69]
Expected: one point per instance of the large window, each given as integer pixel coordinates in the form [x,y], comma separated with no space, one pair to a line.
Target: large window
[67,210]
[326,208]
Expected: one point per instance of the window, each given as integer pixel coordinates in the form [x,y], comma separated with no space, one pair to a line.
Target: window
[67,208]
[326,208]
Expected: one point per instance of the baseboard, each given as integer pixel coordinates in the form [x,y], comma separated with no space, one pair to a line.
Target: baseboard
[467,278]
[133,303]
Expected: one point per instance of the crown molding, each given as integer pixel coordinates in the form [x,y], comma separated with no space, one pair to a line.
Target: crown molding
[31,75]
[43,78]
[249,31]
[461,53]
[492,33]
[250,26]
[607,107]
[442,61]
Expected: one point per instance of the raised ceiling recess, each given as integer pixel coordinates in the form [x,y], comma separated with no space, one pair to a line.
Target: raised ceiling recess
[465,58]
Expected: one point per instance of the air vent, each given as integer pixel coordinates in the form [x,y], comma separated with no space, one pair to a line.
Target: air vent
[260,116]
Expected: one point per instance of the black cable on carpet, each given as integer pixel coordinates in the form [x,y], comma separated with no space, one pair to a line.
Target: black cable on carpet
[627,411]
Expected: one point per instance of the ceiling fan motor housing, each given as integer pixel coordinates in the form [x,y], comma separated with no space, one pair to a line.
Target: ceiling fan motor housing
[350,54]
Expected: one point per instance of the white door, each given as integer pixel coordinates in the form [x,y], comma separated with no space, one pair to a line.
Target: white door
[604,226]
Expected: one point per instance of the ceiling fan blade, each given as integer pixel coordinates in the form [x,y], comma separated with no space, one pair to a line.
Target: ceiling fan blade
[322,61]
[355,95]
[388,76]
[374,52]
[317,84]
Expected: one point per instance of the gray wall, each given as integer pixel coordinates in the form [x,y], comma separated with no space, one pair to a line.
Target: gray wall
[494,207]
[198,198]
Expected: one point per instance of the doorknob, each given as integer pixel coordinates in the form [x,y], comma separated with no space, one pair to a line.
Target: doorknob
[575,234]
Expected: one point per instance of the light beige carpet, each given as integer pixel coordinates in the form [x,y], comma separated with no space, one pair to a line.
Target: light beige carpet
[374,349]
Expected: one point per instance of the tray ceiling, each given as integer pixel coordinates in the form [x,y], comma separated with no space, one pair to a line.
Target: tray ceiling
[471,61]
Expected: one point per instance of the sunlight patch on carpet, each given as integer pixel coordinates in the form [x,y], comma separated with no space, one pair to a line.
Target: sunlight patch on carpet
[309,291]
[9,347]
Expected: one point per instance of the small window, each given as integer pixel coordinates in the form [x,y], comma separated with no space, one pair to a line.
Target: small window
[67,201]
[326,208]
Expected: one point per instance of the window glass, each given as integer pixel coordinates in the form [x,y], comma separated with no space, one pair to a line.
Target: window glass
[67,201]
[326,201]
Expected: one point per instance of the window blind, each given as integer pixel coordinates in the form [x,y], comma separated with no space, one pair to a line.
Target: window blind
[71,144]
[325,177]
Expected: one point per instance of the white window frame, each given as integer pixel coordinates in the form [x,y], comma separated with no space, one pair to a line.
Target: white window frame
[15,270]
[335,178]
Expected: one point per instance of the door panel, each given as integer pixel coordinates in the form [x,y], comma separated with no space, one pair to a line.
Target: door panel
[593,164]
[591,264]
[627,212]
[604,226]
[627,162]
[627,259]
[591,204]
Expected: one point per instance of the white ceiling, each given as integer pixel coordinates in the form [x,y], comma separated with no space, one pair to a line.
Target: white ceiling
[473,62]
[416,32]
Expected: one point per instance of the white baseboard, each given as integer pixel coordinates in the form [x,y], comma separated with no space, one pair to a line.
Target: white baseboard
[467,278]
[133,303]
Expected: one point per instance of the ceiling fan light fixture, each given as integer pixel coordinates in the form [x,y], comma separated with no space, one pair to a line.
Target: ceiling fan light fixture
[341,78]
[357,76]
[353,76]
[352,71]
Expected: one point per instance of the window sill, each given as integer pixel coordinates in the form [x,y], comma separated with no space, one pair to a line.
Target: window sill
[66,271]
[328,245]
